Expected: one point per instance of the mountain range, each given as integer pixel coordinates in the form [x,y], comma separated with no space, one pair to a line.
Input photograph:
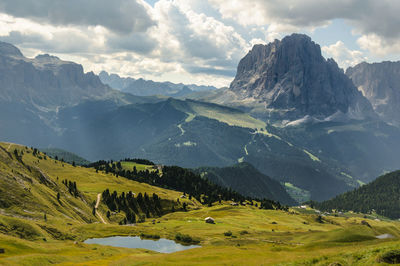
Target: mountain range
[380,83]
[294,116]
[141,87]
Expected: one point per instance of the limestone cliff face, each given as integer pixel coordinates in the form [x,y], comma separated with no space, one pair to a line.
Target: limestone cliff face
[45,81]
[293,80]
[380,83]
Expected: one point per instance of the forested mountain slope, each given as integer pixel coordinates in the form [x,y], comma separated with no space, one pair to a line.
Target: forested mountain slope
[246,179]
[380,196]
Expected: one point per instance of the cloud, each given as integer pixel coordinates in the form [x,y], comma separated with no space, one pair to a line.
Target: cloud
[282,13]
[196,41]
[210,70]
[48,38]
[140,42]
[377,21]
[342,55]
[198,35]
[122,16]
[379,46]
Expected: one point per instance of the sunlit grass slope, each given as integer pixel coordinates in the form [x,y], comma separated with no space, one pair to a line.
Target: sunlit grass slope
[230,116]
[29,186]
[242,235]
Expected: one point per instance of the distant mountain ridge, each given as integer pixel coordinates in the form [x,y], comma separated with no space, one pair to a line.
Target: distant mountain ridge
[380,83]
[46,82]
[141,87]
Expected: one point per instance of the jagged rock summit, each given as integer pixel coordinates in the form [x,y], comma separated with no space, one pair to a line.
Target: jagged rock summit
[290,79]
[9,50]
[45,82]
[380,83]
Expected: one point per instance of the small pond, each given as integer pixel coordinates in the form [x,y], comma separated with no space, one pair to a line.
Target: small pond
[161,245]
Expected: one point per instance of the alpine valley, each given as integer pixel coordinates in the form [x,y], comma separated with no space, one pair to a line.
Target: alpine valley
[92,156]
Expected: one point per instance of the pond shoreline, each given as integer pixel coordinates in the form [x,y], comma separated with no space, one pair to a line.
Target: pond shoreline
[160,245]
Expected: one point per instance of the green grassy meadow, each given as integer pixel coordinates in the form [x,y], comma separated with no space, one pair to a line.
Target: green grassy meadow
[29,189]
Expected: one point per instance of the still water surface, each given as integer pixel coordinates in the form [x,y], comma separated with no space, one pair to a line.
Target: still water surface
[162,245]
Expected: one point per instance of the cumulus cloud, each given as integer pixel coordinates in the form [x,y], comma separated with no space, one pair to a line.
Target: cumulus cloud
[342,55]
[122,16]
[378,45]
[201,43]
[375,20]
[48,38]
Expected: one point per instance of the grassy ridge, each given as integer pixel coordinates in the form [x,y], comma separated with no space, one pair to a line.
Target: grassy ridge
[29,188]
[257,236]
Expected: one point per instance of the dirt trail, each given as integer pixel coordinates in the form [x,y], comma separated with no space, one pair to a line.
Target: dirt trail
[97,205]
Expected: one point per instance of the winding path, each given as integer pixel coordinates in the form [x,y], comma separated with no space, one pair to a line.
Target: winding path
[97,205]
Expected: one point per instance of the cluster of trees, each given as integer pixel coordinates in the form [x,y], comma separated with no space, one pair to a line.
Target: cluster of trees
[181,179]
[37,154]
[72,189]
[267,204]
[18,156]
[35,151]
[380,196]
[107,166]
[139,161]
[202,189]
[136,209]
[176,178]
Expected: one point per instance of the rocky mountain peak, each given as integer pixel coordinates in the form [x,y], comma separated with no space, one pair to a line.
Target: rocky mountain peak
[380,83]
[292,79]
[46,81]
[7,49]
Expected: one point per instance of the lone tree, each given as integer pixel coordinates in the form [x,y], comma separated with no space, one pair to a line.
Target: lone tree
[58,196]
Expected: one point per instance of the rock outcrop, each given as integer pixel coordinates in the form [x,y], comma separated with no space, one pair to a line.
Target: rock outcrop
[291,79]
[380,83]
[45,82]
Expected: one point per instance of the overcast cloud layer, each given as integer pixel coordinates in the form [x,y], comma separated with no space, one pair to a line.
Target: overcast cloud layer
[193,41]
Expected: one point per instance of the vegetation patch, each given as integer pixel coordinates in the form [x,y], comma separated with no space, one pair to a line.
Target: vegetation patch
[228,233]
[186,239]
[391,257]
[149,236]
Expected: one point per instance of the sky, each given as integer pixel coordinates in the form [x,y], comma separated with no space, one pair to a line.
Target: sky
[195,41]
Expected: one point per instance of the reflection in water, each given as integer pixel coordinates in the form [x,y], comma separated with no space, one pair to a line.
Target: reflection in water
[162,245]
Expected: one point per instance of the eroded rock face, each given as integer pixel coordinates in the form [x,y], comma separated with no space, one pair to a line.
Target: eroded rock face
[293,80]
[45,81]
[380,83]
